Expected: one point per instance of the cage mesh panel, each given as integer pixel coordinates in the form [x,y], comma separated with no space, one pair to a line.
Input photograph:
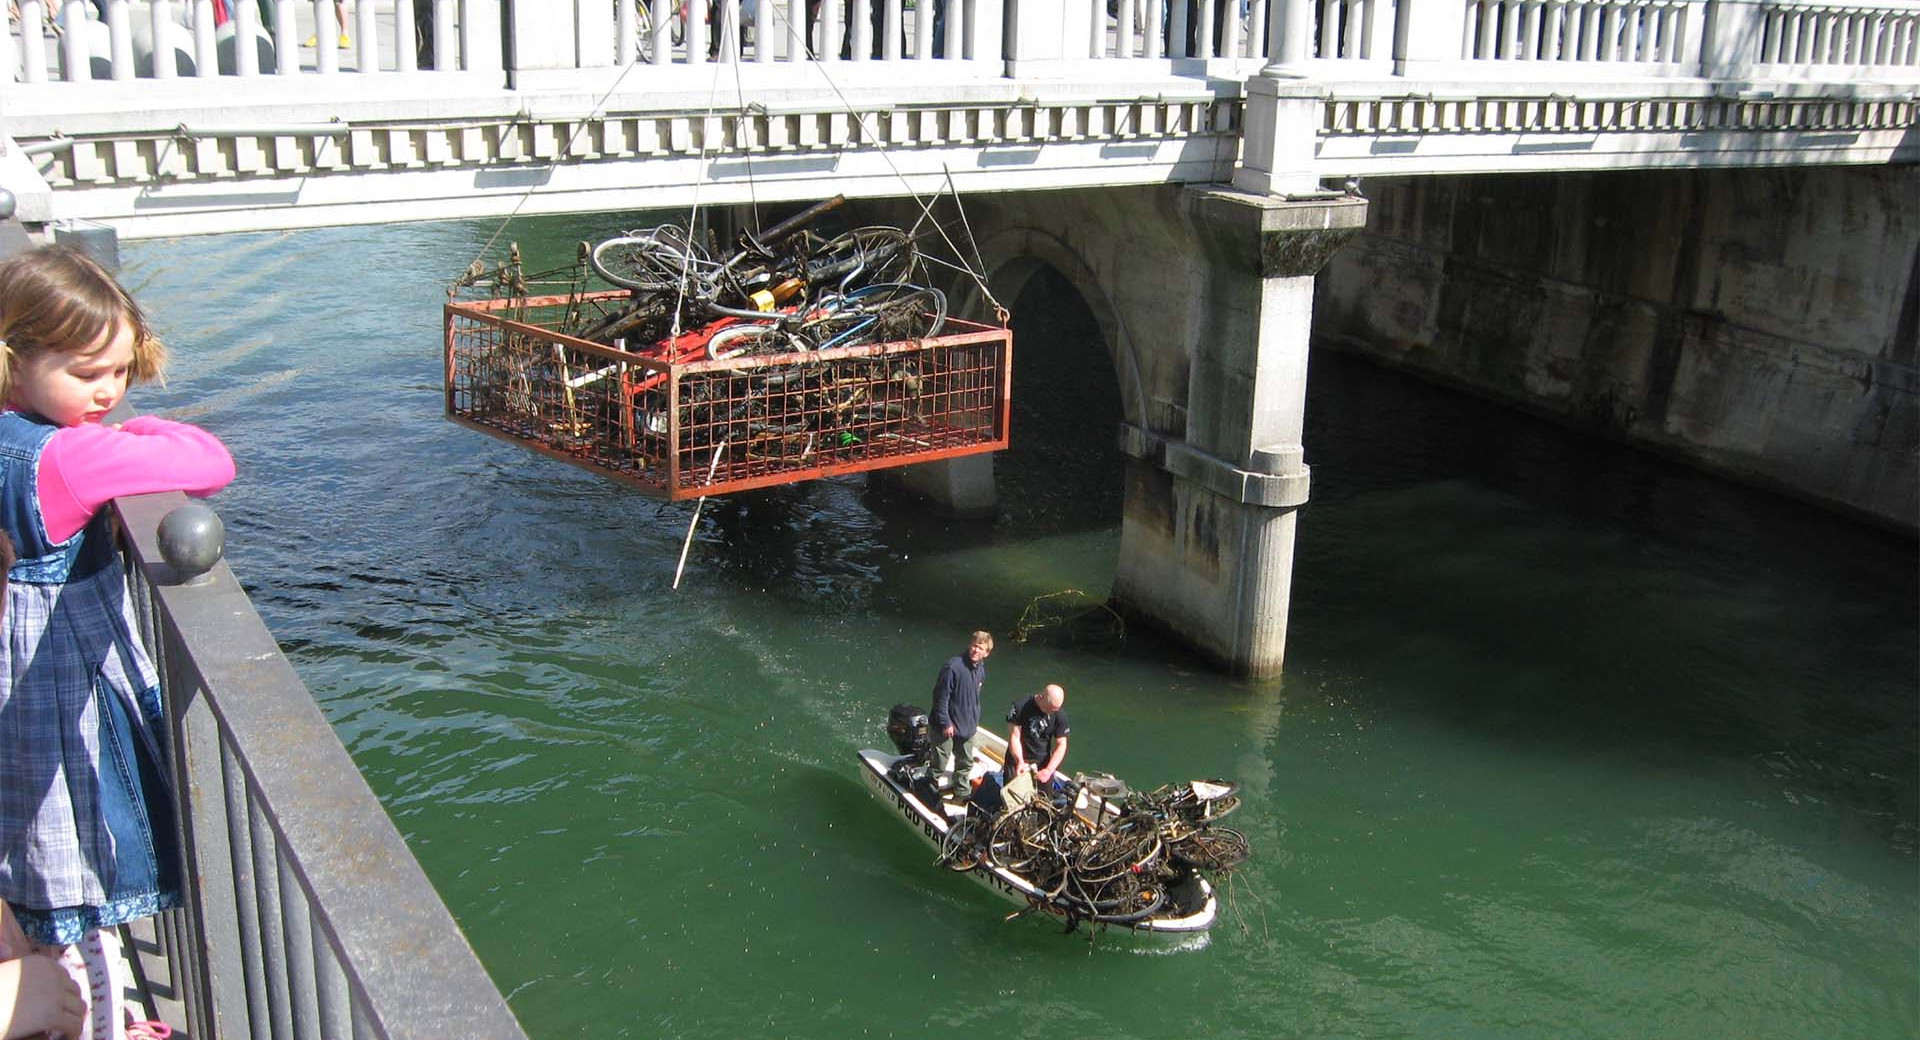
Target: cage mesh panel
[657,420]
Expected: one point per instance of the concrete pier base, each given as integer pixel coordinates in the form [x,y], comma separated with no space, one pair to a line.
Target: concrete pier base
[961,487]
[1206,539]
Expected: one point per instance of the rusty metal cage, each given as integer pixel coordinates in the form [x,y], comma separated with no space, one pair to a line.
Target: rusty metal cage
[696,417]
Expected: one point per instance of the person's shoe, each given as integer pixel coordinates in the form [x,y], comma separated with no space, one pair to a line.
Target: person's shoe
[312,41]
[345,42]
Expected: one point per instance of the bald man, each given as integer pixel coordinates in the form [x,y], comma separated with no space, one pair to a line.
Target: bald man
[1037,740]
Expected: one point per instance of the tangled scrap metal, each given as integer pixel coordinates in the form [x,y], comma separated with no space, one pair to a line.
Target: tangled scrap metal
[786,291]
[1103,866]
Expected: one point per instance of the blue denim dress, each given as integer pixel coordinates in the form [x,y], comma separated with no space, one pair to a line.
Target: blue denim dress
[86,828]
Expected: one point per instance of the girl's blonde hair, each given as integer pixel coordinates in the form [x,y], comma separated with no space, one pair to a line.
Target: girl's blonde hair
[58,298]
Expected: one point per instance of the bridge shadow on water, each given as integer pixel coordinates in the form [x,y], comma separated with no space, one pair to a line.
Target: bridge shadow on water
[1562,598]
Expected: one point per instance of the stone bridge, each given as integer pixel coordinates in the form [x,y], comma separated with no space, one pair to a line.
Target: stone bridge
[1215,145]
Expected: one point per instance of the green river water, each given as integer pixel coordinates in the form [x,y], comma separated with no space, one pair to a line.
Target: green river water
[1572,743]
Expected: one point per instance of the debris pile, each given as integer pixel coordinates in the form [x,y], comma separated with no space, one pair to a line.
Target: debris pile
[1107,855]
[788,356]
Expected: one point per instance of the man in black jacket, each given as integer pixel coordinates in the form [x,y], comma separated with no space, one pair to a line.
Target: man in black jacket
[954,721]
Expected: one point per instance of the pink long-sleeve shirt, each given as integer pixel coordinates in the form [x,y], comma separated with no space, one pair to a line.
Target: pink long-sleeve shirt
[86,466]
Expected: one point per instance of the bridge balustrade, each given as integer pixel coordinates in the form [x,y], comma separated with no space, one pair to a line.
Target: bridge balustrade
[164,40]
[1822,40]
[306,915]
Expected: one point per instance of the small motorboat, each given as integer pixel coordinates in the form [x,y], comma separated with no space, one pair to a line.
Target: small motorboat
[1100,855]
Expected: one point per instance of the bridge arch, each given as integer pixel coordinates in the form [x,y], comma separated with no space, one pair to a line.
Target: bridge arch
[1013,256]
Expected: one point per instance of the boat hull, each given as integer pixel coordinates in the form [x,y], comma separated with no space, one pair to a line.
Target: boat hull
[931,824]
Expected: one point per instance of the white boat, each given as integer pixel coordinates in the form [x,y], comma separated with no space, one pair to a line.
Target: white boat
[1189,905]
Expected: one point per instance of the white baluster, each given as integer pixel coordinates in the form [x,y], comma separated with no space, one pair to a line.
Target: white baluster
[206,50]
[890,29]
[795,31]
[1152,44]
[246,52]
[120,28]
[405,40]
[729,31]
[1291,24]
[623,33]
[366,37]
[77,58]
[1230,36]
[955,44]
[446,35]
[9,71]
[1177,28]
[33,42]
[1203,44]
[326,38]
[1353,48]
[1630,33]
[664,12]
[830,32]
[923,30]
[286,38]
[1123,29]
[160,20]
[695,32]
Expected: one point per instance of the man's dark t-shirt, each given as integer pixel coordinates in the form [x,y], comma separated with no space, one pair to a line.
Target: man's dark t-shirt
[1037,730]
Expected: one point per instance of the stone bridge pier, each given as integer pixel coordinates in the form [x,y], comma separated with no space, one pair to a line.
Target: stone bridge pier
[1204,297]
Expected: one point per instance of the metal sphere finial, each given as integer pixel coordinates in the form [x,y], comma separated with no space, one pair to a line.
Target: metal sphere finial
[191,541]
[8,204]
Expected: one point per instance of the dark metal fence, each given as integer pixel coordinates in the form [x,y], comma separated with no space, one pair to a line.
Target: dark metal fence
[306,915]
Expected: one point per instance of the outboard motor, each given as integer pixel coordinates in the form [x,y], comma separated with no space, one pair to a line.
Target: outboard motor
[907,728]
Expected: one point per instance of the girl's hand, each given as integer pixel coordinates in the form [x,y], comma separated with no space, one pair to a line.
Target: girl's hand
[38,996]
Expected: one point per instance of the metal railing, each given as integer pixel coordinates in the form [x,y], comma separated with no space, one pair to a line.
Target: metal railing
[544,40]
[306,916]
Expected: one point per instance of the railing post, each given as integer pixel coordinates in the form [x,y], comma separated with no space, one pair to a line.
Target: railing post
[206,50]
[286,38]
[120,33]
[366,37]
[447,35]
[33,54]
[1280,129]
[327,31]
[161,24]
[986,31]
[543,38]
[1045,30]
[1730,43]
[1429,39]
[479,35]
[7,65]
[1289,35]
[76,57]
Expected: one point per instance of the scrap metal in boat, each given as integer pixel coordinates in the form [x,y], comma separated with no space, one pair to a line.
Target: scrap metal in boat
[1101,854]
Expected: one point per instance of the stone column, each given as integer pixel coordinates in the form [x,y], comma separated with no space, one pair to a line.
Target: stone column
[1206,540]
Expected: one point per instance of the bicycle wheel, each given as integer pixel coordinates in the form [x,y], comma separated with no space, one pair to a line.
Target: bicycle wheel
[661,260]
[900,311]
[863,256]
[1018,838]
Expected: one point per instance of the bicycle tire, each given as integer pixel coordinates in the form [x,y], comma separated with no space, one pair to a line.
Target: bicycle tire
[650,262]
[876,253]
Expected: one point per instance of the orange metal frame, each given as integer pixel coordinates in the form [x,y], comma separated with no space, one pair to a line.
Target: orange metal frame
[957,401]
